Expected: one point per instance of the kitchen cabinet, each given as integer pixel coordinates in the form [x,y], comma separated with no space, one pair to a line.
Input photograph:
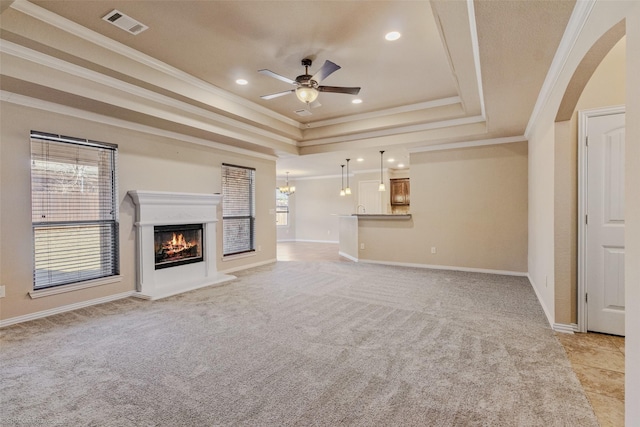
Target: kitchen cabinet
[400,192]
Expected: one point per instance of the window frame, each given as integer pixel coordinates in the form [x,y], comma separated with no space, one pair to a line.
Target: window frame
[282,209]
[250,215]
[100,220]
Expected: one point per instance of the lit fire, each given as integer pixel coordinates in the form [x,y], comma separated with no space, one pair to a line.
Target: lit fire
[176,244]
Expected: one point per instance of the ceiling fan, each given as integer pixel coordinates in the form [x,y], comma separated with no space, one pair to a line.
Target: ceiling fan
[307,86]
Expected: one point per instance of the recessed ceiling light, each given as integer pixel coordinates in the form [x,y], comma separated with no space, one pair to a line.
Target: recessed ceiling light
[242,82]
[357,101]
[359,159]
[400,165]
[393,35]
[391,160]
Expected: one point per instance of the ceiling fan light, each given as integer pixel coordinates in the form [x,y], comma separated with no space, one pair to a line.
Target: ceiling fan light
[307,94]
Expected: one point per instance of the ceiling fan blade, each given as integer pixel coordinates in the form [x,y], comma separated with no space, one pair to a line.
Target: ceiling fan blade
[339,89]
[275,95]
[327,68]
[277,76]
[315,104]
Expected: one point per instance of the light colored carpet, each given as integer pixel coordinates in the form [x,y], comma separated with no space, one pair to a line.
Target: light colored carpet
[300,344]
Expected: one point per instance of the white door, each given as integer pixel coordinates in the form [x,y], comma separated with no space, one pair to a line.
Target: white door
[605,224]
[370,197]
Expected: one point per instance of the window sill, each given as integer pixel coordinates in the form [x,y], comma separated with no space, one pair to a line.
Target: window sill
[238,256]
[74,286]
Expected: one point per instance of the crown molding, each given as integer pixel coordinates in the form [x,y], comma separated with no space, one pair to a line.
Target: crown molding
[91,36]
[352,174]
[387,112]
[475,46]
[47,106]
[467,144]
[393,131]
[574,27]
[111,83]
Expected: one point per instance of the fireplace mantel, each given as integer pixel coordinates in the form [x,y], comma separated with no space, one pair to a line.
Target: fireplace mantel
[156,208]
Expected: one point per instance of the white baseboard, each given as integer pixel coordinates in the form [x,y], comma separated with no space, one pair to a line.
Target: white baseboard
[63,309]
[447,267]
[547,313]
[347,256]
[565,328]
[248,266]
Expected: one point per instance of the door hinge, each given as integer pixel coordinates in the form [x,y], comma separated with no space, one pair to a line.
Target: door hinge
[586,297]
[586,219]
[586,140]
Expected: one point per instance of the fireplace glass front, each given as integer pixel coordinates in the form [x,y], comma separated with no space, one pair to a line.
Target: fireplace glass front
[177,244]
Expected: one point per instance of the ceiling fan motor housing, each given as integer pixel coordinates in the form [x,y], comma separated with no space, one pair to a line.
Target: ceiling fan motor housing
[305,80]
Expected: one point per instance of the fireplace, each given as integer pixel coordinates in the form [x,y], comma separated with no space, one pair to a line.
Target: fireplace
[176,230]
[177,245]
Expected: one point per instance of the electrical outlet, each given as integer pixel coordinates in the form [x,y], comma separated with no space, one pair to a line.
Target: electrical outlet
[2,292]
[361,245]
[433,250]
[259,248]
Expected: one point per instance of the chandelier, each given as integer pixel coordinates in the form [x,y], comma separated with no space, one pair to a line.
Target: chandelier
[288,190]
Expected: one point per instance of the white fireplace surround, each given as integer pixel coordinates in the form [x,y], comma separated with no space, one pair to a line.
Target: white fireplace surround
[154,208]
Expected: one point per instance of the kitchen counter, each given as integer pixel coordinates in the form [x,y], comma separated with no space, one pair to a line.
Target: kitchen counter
[383,216]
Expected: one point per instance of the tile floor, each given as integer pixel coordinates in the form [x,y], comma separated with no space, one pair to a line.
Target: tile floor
[597,359]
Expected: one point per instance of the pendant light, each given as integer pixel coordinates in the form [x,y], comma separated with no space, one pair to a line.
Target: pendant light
[287,189]
[381,187]
[347,190]
[342,192]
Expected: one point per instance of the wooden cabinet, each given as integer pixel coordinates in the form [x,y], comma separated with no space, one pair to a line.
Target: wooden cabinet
[400,194]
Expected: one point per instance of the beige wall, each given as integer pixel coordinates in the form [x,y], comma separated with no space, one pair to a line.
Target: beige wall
[146,162]
[542,151]
[541,134]
[632,218]
[605,88]
[470,204]
[318,205]
[349,236]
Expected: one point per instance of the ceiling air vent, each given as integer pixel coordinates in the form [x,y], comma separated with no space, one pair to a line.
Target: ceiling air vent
[303,112]
[125,22]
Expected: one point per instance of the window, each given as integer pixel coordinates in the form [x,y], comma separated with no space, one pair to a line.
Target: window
[73,210]
[282,208]
[238,209]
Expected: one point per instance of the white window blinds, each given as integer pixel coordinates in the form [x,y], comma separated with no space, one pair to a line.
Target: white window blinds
[74,214]
[238,209]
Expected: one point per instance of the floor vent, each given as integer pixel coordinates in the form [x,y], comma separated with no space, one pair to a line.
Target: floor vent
[125,22]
